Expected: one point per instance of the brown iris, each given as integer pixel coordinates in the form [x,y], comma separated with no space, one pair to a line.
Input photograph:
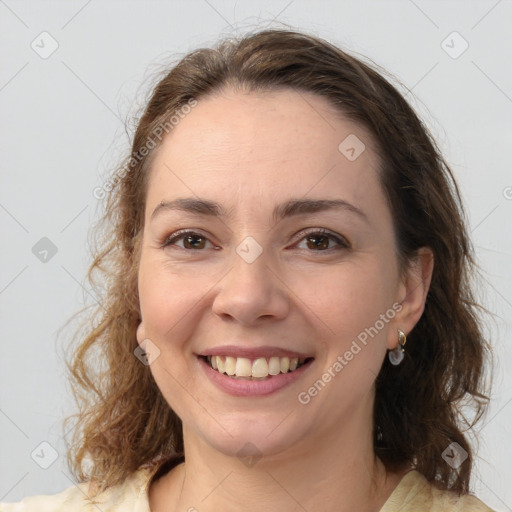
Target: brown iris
[319,241]
[195,241]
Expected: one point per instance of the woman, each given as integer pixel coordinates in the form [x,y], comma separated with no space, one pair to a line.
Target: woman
[288,321]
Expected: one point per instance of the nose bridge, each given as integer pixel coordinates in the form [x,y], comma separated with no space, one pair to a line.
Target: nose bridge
[250,270]
[251,289]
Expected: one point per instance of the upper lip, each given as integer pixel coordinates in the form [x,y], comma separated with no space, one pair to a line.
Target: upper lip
[252,352]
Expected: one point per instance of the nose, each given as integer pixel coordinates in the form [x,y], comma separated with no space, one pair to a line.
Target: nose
[251,293]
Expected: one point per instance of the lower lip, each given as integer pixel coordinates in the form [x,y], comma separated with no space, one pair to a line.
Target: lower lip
[243,387]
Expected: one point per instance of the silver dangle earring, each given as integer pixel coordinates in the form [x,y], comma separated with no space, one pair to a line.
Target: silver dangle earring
[396,355]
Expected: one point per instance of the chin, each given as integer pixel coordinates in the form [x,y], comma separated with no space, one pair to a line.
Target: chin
[252,435]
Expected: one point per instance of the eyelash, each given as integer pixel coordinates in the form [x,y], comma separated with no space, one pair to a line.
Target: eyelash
[341,241]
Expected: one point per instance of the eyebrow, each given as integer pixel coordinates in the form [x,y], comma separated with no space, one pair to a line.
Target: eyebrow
[290,208]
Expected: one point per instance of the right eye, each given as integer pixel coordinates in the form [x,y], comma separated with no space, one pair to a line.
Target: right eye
[191,240]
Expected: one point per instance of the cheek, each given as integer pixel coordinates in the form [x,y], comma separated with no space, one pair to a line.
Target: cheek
[347,298]
[167,302]
[347,303]
[166,299]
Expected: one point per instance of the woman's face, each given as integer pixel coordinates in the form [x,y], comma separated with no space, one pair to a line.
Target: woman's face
[256,283]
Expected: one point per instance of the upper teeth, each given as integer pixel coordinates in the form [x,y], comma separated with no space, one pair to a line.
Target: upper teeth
[261,367]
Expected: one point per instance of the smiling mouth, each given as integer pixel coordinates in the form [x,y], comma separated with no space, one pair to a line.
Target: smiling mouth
[254,369]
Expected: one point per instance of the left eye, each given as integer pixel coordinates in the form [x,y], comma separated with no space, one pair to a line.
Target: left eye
[319,240]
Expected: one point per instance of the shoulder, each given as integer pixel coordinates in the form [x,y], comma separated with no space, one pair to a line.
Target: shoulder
[131,495]
[415,493]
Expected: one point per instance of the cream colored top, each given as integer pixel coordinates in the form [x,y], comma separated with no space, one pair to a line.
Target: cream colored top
[413,494]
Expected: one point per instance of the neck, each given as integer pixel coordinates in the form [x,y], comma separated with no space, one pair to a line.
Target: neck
[343,470]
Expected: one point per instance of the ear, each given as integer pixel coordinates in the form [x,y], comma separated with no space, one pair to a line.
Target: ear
[141,333]
[412,293]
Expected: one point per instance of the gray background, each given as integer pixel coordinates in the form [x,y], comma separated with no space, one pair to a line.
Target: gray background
[62,120]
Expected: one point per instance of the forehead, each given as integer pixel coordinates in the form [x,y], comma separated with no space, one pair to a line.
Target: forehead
[254,148]
[263,123]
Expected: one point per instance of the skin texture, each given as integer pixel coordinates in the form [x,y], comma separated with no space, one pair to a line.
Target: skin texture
[250,152]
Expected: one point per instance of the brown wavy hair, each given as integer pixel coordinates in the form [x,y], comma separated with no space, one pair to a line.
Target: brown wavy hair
[124,422]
